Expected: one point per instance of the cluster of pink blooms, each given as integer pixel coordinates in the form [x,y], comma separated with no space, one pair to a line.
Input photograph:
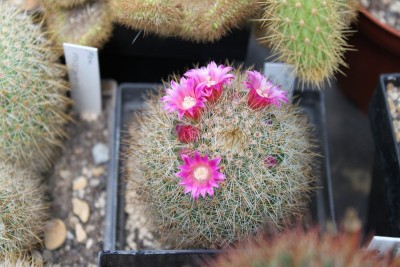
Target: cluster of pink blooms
[189,97]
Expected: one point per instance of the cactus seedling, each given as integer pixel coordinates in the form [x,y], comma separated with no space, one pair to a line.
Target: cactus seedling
[89,24]
[308,35]
[299,248]
[201,21]
[232,168]
[32,89]
[22,210]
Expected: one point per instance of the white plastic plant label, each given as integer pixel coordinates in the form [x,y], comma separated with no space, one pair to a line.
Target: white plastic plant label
[383,244]
[84,77]
[281,74]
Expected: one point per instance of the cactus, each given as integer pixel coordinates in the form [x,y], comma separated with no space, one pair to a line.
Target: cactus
[22,210]
[308,34]
[201,21]
[24,261]
[299,248]
[56,4]
[88,24]
[32,90]
[257,151]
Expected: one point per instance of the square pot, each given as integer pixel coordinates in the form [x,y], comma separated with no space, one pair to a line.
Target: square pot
[384,203]
[128,99]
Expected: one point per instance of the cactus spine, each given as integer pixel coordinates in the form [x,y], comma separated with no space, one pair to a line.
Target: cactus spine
[32,89]
[22,210]
[254,190]
[55,4]
[308,34]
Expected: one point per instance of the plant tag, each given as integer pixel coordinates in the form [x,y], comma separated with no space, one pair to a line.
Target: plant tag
[281,74]
[84,77]
[383,244]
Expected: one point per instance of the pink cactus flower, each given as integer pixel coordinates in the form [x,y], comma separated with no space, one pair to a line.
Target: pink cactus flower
[270,161]
[211,79]
[187,133]
[185,98]
[263,92]
[200,175]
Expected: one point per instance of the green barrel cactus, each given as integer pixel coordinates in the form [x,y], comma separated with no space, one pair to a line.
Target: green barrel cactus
[220,155]
[32,93]
[308,34]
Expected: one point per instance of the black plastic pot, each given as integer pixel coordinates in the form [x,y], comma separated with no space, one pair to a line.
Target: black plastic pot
[128,99]
[384,203]
[148,58]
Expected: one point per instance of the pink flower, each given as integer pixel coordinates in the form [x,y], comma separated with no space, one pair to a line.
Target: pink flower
[211,79]
[263,92]
[270,161]
[185,98]
[200,175]
[187,133]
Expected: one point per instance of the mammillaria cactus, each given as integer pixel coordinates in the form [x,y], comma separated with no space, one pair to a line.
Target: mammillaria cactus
[299,248]
[308,34]
[201,21]
[23,261]
[32,92]
[220,155]
[22,210]
[88,24]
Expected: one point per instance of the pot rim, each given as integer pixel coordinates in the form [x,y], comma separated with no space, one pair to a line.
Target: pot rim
[386,27]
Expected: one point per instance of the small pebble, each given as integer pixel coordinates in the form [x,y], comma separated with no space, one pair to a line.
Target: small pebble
[81,209]
[96,172]
[80,233]
[89,243]
[79,183]
[55,234]
[100,153]
[47,255]
[65,174]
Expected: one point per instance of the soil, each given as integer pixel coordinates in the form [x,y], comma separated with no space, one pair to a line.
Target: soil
[386,11]
[76,161]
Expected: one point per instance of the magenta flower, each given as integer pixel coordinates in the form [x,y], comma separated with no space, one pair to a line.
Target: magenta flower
[200,175]
[211,79]
[185,98]
[263,92]
[270,161]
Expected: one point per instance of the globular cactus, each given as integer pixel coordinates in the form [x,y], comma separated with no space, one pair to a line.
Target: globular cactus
[308,34]
[244,156]
[200,21]
[298,248]
[55,4]
[32,93]
[23,261]
[22,210]
[89,24]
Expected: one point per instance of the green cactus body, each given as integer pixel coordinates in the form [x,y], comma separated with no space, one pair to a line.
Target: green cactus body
[251,194]
[200,21]
[89,24]
[32,89]
[297,248]
[307,34]
[22,210]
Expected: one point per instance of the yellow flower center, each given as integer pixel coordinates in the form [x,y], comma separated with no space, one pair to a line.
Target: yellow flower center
[201,174]
[188,102]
